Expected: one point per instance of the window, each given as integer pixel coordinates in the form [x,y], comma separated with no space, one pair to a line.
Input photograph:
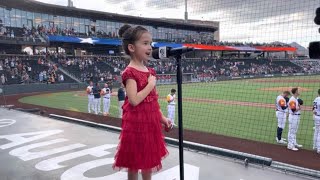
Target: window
[7,19]
[13,18]
[45,20]
[24,18]
[62,22]
[76,24]
[37,19]
[30,15]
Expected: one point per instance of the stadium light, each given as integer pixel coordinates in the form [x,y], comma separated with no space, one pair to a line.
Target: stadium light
[186,10]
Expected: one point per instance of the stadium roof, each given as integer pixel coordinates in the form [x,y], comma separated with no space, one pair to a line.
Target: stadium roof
[40,7]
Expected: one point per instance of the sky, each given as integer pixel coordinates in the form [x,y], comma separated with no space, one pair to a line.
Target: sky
[240,20]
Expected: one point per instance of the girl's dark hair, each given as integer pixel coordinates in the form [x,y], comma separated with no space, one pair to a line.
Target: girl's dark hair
[130,35]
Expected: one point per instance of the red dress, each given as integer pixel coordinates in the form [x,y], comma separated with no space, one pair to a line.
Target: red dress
[142,145]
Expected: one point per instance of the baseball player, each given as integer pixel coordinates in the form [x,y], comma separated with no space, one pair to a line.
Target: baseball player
[97,98]
[316,118]
[106,95]
[294,119]
[90,97]
[171,106]
[281,114]
[121,98]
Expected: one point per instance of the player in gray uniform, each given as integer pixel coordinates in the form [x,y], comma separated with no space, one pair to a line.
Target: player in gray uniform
[316,118]
[97,98]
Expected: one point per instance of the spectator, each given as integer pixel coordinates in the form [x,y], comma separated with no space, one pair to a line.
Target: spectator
[12,34]
[61,78]
[29,69]
[41,76]
[25,78]
[3,79]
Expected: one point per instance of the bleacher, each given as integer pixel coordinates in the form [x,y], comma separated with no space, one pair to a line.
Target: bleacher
[87,68]
[30,65]
[219,66]
[31,35]
[106,68]
[308,65]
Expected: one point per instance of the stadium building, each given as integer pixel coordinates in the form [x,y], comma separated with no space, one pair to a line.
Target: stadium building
[92,31]
[40,26]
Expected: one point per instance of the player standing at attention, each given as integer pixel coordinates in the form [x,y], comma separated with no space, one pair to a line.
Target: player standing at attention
[316,118]
[142,145]
[281,114]
[90,97]
[171,106]
[97,98]
[121,98]
[294,120]
[106,95]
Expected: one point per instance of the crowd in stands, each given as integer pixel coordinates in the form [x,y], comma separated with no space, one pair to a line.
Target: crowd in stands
[24,33]
[308,66]
[87,68]
[27,34]
[108,68]
[25,70]
[56,30]
[220,67]
[250,44]
[255,67]
[227,43]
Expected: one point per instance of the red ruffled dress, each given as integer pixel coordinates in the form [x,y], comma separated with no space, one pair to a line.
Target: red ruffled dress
[142,145]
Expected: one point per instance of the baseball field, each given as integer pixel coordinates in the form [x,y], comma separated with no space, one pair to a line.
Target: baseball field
[237,108]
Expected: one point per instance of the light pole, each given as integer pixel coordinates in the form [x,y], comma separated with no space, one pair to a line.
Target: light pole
[186,10]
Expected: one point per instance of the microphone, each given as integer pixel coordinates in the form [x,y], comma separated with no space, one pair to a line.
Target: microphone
[165,52]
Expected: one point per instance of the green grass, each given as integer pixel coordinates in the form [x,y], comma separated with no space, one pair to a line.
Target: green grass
[254,123]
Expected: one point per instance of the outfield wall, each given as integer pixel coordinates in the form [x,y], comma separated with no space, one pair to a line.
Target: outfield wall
[31,88]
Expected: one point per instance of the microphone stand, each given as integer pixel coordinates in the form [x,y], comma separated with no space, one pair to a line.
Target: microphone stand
[179,82]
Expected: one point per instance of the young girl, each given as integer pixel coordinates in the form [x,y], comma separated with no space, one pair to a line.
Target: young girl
[141,144]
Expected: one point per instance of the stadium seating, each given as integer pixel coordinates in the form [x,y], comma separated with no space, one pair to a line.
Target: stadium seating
[309,66]
[26,69]
[107,68]
[87,68]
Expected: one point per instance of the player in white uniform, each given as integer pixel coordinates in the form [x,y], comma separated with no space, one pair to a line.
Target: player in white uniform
[294,119]
[90,97]
[281,114]
[171,106]
[106,96]
[316,118]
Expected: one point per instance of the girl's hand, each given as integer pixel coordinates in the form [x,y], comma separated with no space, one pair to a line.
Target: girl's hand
[152,80]
[167,123]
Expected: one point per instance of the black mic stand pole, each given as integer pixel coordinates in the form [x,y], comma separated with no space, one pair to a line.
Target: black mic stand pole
[179,82]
